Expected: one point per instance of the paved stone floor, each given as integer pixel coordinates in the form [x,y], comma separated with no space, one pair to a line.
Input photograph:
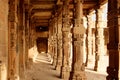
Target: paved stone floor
[42,69]
[92,75]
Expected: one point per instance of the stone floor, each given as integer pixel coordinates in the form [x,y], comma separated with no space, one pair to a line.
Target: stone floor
[92,75]
[42,69]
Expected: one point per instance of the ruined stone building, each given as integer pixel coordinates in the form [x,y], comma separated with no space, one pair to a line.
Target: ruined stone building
[79,38]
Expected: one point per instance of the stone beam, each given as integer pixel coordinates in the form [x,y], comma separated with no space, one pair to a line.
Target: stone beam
[41,10]
[40,17]
[41,20]
[42,2]
[41,23]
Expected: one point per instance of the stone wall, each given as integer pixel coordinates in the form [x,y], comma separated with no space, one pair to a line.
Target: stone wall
[3,38]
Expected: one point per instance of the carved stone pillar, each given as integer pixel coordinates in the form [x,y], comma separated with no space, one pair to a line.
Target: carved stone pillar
[100,52]
[113,69]
[49,46]
[26,37]
[78,68]
[50,43]
[89,57]
[32,33]
[30,30]
[55,41]
[54,50]
[52,46]
[12,21]
[65,69]
[21,39]
[59,43]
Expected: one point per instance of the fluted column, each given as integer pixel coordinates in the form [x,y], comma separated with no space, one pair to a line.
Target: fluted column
[12,53]
[78,68]
[100,52]
[113,69]
[59,43]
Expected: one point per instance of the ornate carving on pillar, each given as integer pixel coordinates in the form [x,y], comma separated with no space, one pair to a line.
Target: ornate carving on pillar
[55,40]
[50,40]
[65,69]
[27,36]
[12,18]
[59,59]
[21,39]
[100,51]
[78,67]
[59,37]
[55,50]
[113,69]
[90,56]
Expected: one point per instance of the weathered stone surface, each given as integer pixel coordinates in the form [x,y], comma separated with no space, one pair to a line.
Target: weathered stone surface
[77,72]
[113,46]
[18,35]
[3,39]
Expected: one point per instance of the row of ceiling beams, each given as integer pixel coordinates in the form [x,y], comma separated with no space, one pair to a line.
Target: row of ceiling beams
[42,10]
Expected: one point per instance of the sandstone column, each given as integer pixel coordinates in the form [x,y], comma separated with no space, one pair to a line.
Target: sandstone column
[113,69]
[59,43]
[26,35]
[30,30]
[55,40]
[78,71]
[100,52]
[90,57]
[21,39]
[65,69]
[32,36]
[50,40]
[12,53]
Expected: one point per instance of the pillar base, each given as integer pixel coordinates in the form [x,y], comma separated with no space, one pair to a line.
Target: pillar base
[65,73]
[90,62]
[58,67]
[99,65]
[59,64]
[78,75]
[54,62]
[112,74]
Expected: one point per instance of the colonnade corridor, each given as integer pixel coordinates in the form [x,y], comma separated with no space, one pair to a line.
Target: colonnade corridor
[42,69]
[59,39]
